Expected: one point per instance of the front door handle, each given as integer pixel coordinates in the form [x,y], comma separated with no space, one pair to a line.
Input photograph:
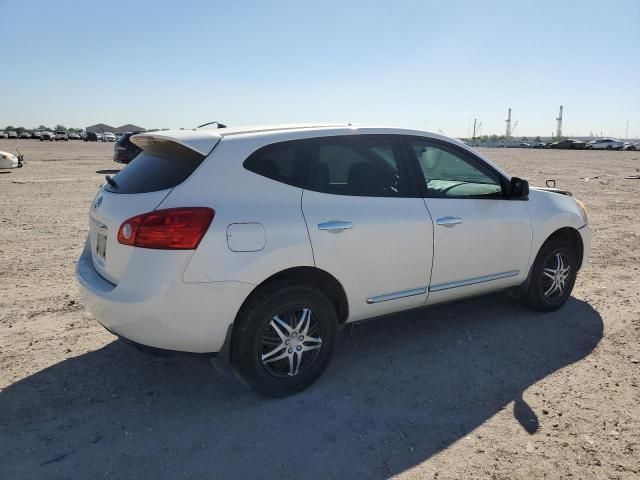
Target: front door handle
[449,221]
[335,226]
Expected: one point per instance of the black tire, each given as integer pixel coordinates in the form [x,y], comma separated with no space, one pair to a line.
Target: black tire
[609,147]
[541,281]
[255,336]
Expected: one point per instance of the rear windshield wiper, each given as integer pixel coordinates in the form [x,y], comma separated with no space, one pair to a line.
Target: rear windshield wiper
[111,181]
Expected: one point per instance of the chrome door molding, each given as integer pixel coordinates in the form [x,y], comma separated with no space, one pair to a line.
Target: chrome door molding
[395,295]
[472,281]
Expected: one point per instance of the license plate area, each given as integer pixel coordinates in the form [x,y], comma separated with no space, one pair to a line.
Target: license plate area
[101,243]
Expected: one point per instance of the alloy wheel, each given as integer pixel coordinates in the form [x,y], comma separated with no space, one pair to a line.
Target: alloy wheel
[555,275]
[290,342]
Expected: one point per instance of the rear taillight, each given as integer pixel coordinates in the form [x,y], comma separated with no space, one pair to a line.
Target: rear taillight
[170,229]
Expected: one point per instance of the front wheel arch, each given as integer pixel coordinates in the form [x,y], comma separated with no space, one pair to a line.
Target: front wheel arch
[568,234]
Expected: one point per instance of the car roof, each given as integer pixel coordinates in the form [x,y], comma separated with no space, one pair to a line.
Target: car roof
[203,140]
[198,139]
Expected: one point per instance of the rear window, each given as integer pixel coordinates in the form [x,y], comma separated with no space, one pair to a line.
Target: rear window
[159,167]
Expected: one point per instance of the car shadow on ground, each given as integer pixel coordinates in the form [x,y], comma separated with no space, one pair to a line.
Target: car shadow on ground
[398,391]
[107,171]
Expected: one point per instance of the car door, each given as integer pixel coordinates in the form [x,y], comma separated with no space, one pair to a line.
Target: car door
[482,239]
[368,226]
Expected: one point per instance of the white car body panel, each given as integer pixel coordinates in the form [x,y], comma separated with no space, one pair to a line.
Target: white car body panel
[271,204]
[387,251]
[187,299]
[166,313]
[493,239]
[551,212]
[108,212]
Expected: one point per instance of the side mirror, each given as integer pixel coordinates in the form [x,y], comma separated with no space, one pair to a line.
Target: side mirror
[519,188]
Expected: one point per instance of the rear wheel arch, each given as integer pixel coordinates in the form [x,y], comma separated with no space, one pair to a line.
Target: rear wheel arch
[313,277]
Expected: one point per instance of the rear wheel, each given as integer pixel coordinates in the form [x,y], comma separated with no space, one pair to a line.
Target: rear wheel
[553,276]
[284,339]
[609,147]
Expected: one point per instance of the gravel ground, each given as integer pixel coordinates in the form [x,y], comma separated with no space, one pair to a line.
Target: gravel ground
[476,389]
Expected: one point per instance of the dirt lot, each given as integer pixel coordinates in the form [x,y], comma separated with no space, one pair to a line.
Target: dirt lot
[478,389]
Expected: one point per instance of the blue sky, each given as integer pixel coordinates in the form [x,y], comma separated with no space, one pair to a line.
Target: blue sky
[405,63]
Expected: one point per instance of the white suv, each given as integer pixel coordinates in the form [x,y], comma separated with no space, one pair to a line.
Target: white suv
[262,242]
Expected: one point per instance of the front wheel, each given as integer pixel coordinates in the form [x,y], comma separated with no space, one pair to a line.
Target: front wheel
[284,339]
[552,277]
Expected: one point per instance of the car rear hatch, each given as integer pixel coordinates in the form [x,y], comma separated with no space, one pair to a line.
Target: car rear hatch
[139,188]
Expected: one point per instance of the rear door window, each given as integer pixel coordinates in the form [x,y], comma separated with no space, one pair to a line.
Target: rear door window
[159,167]
[361,165]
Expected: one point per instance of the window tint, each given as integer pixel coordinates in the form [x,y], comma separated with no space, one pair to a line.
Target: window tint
[366,166]
[449,175]
[278,162]
[157,168]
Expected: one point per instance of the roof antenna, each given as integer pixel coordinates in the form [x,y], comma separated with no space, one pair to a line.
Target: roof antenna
[220,125]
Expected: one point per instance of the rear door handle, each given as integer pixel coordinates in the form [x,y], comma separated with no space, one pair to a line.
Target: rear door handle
[449,221]
[335,226]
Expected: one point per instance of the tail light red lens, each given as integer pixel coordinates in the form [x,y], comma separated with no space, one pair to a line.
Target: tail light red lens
[170,229]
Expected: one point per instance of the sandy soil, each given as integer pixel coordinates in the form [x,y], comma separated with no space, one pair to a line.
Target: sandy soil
[477,389]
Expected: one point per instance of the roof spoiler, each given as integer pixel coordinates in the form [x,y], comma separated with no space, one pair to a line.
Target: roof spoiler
[156,142]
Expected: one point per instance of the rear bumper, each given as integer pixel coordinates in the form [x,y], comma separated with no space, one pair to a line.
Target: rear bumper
[585,234]
[157,309]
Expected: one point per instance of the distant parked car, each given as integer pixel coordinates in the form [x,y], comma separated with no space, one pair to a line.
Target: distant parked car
[93,137]
[631,146]
[25,134]
[569,144]
[46,136]
[61,135]
[540,145]
[36,135]
[605,144]
[3,135]
[108,137]
[12,134]
[524,145]
[74,136]
[124,151]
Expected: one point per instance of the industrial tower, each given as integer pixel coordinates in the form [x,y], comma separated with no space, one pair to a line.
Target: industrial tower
[508,120]
[559,120]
